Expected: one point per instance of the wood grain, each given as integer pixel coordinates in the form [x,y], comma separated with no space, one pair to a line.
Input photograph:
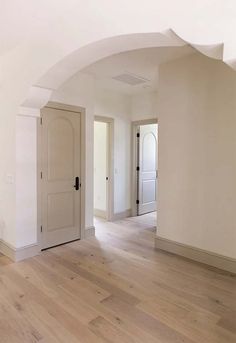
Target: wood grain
[115,288]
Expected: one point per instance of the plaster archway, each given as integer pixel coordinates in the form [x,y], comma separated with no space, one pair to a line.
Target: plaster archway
[91,53]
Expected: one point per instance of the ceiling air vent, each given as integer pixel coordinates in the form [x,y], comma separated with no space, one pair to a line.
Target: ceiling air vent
[130,79]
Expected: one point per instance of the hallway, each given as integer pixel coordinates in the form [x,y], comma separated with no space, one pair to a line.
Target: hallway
[115,288]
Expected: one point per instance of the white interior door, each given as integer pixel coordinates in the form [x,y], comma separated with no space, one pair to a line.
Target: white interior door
[147,174]
[60,167]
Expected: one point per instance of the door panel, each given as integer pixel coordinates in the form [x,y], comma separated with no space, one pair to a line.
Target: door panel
[147,182]
[148,191]
[60,151]
[60,166]
[60,211]
[148,145]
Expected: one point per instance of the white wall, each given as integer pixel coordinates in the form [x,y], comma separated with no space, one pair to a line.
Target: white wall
[26,180]
[144,106]
[197,159]
[7,173]
[100,166]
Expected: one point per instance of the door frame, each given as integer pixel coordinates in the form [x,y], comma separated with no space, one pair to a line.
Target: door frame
[81,111]
[110,164]
[135,154]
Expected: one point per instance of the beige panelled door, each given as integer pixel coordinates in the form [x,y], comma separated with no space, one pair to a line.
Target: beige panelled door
[60,171]
[147,175]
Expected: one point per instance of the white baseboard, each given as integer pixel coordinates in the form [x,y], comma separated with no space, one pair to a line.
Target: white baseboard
[89,232]
[121,215]
[196,254]
[18,254]
[100,213]
[7,250]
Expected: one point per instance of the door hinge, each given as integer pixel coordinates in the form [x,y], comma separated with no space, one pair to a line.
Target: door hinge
[137,202]
[138,134]
[137,168]
[41,175]
[41,121]
[41,229]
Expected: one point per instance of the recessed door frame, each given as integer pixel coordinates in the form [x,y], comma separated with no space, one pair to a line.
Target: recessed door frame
[135,161]
[110,165]
[81,112]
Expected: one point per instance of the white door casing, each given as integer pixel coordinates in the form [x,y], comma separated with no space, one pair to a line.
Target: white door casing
[101,165]
[60,166]
[147,174]
[110,165]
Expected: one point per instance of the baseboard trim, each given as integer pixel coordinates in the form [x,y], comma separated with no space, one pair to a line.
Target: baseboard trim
[121,215]
[18,254]
[203,256]
[100,213]
[89,232]
[7,250]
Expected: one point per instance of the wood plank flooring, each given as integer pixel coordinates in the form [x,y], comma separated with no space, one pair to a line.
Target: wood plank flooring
[115,288]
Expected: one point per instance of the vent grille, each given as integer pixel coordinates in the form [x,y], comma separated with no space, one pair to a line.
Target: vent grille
[130,79]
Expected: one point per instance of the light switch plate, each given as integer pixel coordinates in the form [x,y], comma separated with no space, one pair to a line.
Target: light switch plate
[9,179]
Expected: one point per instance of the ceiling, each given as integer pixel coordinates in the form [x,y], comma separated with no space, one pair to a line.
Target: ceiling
[134,66]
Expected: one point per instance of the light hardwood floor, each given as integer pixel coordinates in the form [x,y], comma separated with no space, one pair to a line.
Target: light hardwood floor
[115,288]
